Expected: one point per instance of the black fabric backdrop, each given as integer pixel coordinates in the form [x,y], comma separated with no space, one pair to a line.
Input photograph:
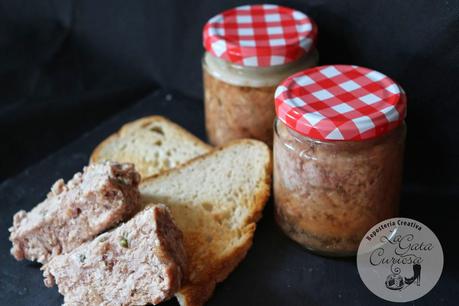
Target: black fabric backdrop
[67,65]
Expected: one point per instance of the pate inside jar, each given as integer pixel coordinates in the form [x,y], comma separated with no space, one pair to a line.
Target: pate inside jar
[244,62]
[333,181]
[329,194]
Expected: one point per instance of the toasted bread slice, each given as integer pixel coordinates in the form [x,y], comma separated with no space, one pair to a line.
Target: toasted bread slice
[215,200]
[154,144]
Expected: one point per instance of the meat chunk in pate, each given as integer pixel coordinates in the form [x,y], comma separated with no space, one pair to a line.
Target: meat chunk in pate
[90,203]
[140,262]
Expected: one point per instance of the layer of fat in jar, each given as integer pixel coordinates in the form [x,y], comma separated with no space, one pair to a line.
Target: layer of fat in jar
[256,76]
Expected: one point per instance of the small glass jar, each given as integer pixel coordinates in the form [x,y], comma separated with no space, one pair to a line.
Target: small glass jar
[240,80]
[334,178]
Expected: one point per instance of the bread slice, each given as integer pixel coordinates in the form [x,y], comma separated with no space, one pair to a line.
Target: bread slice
[154,144]
[215,200]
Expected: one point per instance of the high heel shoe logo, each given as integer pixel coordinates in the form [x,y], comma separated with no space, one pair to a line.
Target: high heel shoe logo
[394,254]
[395,281]
[416,276]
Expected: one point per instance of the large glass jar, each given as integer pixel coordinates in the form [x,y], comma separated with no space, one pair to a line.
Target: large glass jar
[338,154]
[244,62]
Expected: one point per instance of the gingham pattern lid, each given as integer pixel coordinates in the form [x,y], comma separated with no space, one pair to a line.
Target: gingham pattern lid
[259,35]
[340,102]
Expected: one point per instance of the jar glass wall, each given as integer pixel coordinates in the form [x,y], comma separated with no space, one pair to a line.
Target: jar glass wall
[329,194]
[239,99]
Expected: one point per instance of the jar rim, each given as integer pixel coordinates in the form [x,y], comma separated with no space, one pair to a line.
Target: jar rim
[302,138]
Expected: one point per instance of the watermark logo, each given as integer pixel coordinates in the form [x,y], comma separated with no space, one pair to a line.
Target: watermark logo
[400,260]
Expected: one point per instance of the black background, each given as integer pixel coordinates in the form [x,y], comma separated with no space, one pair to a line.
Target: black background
[66,66]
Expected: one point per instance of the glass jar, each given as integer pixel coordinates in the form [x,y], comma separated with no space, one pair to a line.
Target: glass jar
[335,174]
[240,80]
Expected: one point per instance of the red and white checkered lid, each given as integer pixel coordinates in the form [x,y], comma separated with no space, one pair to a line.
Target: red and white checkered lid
[340,102]
[259,35]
